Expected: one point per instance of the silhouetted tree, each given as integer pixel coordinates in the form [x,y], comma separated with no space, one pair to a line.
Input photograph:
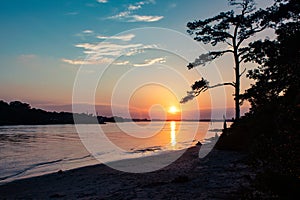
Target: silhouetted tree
[19,105]
[279,71]
[270,132]
[232,29]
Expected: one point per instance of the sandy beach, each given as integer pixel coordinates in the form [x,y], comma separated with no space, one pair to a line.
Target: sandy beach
[220,175]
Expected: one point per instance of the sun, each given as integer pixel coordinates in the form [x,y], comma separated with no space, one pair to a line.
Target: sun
[173,110]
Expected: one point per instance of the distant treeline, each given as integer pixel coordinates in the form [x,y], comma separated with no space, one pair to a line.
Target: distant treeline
[19,113]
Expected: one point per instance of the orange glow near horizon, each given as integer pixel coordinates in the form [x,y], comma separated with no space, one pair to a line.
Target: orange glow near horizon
[156,100]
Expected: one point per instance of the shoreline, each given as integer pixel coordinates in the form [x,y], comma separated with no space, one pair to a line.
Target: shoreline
[145,161]
[117,163]
[220,174]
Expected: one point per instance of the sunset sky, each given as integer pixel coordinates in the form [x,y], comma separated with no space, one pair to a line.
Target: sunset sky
[46,44]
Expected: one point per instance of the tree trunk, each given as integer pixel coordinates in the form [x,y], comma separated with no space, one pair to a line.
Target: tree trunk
[237,73]
[237,86]
[237,96]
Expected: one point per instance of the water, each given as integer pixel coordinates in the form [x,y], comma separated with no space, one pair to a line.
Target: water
[27,151]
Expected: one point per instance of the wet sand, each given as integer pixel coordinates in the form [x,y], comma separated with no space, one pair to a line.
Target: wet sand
[220,175]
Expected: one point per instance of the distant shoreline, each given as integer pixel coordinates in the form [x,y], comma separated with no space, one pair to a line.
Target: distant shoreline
[156,120]
[19,113]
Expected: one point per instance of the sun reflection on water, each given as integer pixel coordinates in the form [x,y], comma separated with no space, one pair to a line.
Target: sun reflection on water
[173,133]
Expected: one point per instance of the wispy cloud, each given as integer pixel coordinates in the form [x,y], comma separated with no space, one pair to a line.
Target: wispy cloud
[87,61]
[107,48]
[139,5]
[149,62]
[134,7]
[104,52]
[145,18]
[125,62]
[127,37]
[135,51]
[120,15]
[129,16]
[85,34]
[108,51]
[102,1]
[88,31]
[136,18]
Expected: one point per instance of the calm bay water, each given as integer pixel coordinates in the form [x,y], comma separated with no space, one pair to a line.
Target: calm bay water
[27,151]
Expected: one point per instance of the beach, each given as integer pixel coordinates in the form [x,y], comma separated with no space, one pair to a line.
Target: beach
[220,175]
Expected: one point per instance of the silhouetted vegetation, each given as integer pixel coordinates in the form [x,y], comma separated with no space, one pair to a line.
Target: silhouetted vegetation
[270,131]
[18,113]
[232,28]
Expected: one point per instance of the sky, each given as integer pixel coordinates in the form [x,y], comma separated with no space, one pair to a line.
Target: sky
[126,57]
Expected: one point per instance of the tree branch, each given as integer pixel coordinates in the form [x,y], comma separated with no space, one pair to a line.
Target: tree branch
[220,84]
[208,57]
[243,50]
[260,29]
[216,54]
[201,86]
[243,72]
[251,32]
[229,43]
[242,59]
[240,42]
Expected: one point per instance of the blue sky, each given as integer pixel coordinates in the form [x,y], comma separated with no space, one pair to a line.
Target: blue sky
[43,42]
[53,27]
